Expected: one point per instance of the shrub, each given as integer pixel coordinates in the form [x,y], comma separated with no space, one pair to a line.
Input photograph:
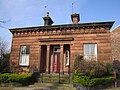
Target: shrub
[116,64]
[15,68]
[110,69]
[4,78]
[89,82]
[91,68]
[24,79]
[4,64]
[92,73]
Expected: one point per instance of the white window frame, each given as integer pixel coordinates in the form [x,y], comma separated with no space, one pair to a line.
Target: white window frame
[88,55]
[24,55]
[67,57]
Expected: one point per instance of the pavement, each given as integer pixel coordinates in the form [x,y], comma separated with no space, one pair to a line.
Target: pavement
[32,88]
[42,88]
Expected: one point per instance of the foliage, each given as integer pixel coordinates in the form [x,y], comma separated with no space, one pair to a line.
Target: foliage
[4,64]
[89,68]
[110,69]
[116,64]
[15,68]
[91,73]
[89,82]
[24,79]
[3,47]
[4,56]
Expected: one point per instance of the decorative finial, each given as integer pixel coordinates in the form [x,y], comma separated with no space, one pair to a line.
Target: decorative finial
[47,14]
[73,5]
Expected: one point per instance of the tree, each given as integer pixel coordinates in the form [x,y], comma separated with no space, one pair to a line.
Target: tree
[3,48]
[4,57]
[3,22]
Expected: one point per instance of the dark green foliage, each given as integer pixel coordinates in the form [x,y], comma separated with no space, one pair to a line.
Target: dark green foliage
[89,82]
[24,79]
[4,78]
[89,68]
[92,73]
[4,64]
[110,69]
[78,59]
[116,64]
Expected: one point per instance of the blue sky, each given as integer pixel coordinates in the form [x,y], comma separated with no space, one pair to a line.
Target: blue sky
[26,13]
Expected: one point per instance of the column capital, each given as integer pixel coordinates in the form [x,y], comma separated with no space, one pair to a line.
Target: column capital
[48,45]
[61,45]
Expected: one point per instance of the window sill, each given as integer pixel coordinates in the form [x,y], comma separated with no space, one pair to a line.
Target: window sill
[23,65]
[67,65]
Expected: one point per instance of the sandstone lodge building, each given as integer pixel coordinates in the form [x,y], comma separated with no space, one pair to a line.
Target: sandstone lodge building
[52,48]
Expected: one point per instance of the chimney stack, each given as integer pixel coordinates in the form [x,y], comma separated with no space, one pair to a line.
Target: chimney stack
[47,20]
[75,18]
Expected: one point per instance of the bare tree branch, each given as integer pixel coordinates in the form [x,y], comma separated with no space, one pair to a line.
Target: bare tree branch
[4,21]
[3,47]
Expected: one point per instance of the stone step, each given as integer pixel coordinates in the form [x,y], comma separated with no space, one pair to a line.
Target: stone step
[43,88]
[47,78]
[54,80]
[53,86]
[55,75]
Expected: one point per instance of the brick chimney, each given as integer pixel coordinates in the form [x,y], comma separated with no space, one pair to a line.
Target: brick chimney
[75,18]
[47,20]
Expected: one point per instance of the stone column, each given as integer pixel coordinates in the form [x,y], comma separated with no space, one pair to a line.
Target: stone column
[71,63]
[51,61]
[48,59]
[61,59]
[39,58]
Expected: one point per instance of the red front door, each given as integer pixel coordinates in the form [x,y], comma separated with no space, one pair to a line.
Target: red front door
[56,62]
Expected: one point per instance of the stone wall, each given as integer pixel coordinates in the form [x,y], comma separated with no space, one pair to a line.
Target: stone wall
[90,35]
[115,40]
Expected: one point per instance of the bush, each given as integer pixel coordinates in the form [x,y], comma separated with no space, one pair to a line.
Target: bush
[89,82]
[24,79]
[4,64]
[92,73]
[4,78]
[116,64]
[91,68]
[110,69]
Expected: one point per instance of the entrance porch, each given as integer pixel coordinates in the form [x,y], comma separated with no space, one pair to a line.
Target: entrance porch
[55,58]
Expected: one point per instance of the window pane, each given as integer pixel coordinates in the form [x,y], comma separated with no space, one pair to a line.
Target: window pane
[67,57]
[24,55]
[86,49]
[23,49]
[27,50]
[90,51]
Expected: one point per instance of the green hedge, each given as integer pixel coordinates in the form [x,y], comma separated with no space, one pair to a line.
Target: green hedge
[89,82]
[24,79]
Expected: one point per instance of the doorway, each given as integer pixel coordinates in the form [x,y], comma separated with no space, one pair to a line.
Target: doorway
[43,58]
[56,59]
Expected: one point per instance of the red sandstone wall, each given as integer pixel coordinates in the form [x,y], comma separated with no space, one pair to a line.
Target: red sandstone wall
[101,39]
[115,40]
[103,46]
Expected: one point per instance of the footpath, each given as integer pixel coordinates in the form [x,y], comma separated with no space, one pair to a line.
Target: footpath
[47,88]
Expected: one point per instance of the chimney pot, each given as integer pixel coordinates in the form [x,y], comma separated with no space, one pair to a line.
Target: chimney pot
[75,18]
[47,20]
